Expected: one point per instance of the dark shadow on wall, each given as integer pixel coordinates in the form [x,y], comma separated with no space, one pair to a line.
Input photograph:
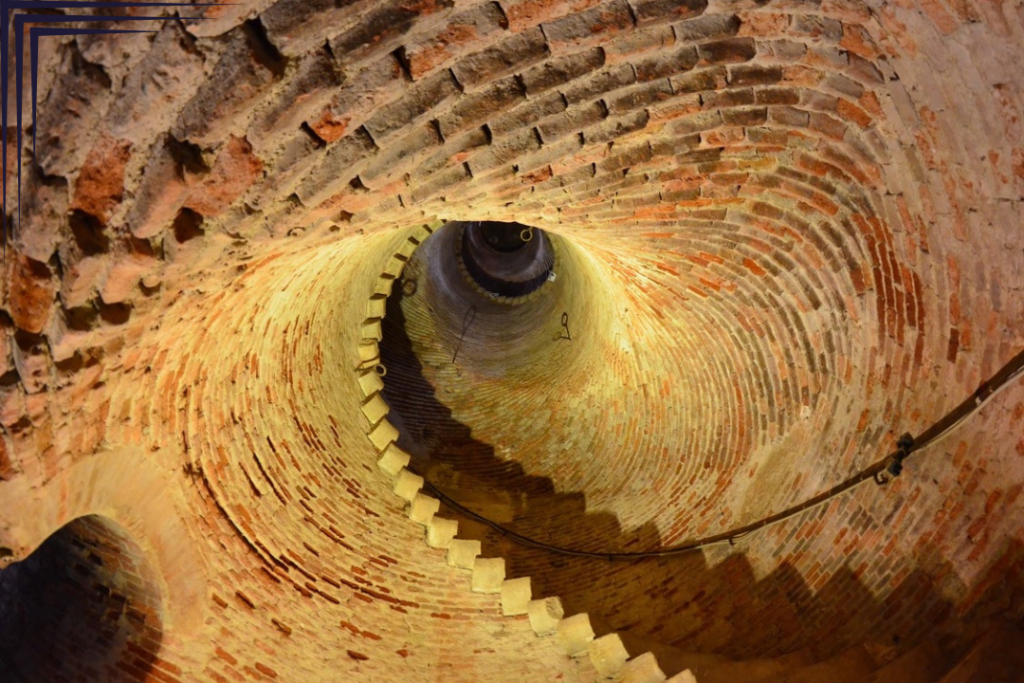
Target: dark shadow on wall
[83,606]
[446,453]
[690,614]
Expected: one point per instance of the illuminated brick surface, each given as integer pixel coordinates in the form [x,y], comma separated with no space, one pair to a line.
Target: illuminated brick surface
[788,232]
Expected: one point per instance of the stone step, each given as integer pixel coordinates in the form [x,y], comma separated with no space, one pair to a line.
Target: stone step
[925,663]
[848,666]
[997,657]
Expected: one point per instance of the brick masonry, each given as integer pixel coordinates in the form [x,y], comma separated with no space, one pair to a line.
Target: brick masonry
[792,232]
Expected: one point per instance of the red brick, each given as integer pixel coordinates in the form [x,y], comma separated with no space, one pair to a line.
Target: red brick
[100,184]
[234,171]
[30,292]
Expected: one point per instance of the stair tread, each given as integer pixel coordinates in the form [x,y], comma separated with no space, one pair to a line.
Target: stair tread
[848,666]
[925,663]
[997,657]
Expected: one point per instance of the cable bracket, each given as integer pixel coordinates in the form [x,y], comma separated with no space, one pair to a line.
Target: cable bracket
[894,463]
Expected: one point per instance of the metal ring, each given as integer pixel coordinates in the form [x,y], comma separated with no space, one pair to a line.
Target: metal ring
[380,369]
[526,235]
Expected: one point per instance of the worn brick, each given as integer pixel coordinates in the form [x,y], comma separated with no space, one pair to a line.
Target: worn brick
[776,96]
[305,94]
[43,212]
[658,11]
[440,182]
[634,44]
[864,70]
[511,55]
[707,27]
[158,87]
[454,152]
[419,100]
[383,29]
[30,291]
[754,75]
[396,158]
[162,190]
[70,115]
[99,187]
[528,113]
[696,123]
[639,96]
[844,85]
[789,116]
[700,81]
[571,121]
[829,125]
[526,14]
[727,51]
[728,98]
[560,70]
[605,81]
[665,65]
[626,158]
[462,30]
[755,116]
[851,112]
[504,150]
[244,64]
[295,26]
[588,28]
[373,86]
[817,27]
[615,127]
[481,106]
[342,162]
[234,171]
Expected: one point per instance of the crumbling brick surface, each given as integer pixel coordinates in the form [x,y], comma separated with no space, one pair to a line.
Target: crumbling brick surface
[792,232]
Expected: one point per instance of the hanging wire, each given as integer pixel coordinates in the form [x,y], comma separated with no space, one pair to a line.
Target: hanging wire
[881,472]
[565,324]
[467,320]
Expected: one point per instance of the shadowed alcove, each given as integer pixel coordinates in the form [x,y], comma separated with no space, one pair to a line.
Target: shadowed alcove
[84,605]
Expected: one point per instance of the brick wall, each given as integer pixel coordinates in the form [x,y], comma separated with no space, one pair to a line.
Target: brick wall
[84,606]
[791,233]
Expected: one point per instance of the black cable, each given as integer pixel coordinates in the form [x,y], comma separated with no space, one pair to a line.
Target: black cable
[469,316]
[880,471]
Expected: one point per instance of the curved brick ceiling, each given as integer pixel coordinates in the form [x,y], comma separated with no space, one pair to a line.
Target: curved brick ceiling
[787,231]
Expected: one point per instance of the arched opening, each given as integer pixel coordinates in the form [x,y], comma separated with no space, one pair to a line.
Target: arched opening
[506,259]
[85,606]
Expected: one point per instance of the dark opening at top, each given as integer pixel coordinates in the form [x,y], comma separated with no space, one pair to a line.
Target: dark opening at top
[506,259]
[504,237]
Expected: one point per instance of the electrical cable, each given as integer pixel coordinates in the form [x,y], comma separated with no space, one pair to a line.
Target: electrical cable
[880,472]
[467,320]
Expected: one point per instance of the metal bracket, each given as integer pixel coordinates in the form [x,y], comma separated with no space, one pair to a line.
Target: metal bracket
[894,464]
